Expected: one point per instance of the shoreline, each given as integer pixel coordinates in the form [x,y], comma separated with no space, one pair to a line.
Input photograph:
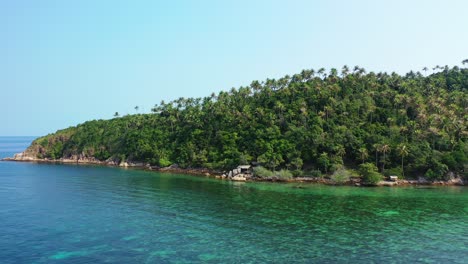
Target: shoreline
[220,175]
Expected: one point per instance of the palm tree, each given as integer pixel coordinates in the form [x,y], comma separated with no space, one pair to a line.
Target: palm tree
[377,150]
[340,151]
[321,71]
[403,151]
[425,69]
[363,154]
[306,75]
[345,70]
[156,109]
[333,72]
[312,73]
[116,114]
[465,62]
[384,149]
[327,109]
[356,69]
[280,108]
[136,108]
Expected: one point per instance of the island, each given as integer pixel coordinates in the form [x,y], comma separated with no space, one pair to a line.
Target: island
[338,127]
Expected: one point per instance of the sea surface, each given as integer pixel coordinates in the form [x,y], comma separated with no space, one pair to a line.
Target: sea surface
[88,214]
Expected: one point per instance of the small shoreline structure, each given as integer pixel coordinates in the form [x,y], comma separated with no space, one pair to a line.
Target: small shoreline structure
[242,173]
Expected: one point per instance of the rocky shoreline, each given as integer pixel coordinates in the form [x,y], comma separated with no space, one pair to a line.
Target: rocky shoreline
[230,175]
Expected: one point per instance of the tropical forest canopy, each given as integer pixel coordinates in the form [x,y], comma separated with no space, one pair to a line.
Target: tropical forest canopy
[316,120]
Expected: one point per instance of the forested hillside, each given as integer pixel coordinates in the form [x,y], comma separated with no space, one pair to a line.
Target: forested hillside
[315,120]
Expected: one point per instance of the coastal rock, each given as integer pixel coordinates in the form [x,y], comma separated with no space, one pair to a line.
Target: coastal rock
[238,178]
[110,162]
[422,180]
[22,156]
[387,183]
[456,181]
[241,173]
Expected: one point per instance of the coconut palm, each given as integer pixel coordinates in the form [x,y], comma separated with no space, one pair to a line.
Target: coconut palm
[333,72]
[363,154]
[376,148]
[345,70]
[403,151]
[384,149]
[425,69]
[321,71]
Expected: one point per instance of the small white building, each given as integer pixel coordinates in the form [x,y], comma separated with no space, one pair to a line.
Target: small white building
[244,168]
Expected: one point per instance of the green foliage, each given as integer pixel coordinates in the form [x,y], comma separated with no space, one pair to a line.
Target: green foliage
[313,174]
[437,171]
[283,174]
[262,172]
[296,163]
[164,162]
[413,122]
[341,176]
[324,162]
[297,173]
[396,171]
[369,173]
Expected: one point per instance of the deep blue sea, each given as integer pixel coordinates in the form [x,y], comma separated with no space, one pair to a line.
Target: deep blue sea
[88,214]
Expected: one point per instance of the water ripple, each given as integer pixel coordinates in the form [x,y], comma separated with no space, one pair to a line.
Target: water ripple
[55,213]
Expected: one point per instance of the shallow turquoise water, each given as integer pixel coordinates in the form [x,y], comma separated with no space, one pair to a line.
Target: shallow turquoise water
[79,214]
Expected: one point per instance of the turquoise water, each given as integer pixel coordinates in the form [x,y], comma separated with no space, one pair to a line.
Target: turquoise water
[85,214]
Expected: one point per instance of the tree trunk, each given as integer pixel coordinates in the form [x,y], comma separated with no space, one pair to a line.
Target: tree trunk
[383,163]
[376,159]
[402,169]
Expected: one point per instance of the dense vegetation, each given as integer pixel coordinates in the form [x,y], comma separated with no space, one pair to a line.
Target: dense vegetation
[315,121]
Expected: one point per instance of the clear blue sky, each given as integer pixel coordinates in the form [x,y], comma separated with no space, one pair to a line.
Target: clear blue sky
[65,62]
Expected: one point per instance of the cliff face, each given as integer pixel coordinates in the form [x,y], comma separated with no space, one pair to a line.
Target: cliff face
[48,147]
[33,153]
[59,147]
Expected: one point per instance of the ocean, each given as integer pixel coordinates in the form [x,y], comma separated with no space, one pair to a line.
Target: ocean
[53,213]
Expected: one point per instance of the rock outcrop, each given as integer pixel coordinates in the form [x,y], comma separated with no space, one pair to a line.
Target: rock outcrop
[77,159]
[241,173]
